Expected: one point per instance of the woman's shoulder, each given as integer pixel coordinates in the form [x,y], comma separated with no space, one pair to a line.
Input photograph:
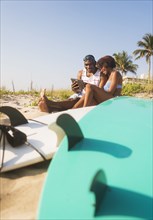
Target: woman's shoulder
[116,73]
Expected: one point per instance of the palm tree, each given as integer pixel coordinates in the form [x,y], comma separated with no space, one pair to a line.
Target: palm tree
[124,63]
[147,50]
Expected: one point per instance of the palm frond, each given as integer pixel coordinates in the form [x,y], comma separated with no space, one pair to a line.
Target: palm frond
[147,49]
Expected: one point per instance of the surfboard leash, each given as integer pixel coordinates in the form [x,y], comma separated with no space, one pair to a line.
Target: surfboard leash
[15,138]
[30,145]
[2,138]
[38,121]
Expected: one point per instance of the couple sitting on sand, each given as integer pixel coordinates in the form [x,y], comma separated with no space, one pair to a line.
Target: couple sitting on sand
[101,82]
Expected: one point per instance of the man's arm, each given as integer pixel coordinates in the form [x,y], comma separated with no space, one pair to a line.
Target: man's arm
[74,85]
[79,75]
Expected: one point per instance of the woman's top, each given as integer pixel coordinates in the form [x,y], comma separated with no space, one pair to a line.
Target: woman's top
[107,86]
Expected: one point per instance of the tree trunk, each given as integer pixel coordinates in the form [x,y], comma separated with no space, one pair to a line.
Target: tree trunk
[149,65]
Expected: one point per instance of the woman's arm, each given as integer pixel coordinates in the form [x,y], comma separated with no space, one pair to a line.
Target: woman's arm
[103,80]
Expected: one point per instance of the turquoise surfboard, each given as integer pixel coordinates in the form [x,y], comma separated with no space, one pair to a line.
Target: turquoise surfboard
[103,168]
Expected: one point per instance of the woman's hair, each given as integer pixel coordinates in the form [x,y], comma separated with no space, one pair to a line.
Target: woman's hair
[106,60]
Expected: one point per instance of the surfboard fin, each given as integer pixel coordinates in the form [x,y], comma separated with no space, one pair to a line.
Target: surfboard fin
[16,117]
[98,187]
[71,128]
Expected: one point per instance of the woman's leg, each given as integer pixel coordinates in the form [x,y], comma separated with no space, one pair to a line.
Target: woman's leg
[79,103]
[89,95]
[95,94]
[82,102]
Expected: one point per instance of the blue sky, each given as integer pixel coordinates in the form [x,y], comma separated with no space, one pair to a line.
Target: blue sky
[45,41]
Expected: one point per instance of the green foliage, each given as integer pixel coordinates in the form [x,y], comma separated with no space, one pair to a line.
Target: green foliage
[51,94]
[59,94]
[4,91]
[146,50]
[124,63]
[130,89]
[64,94]
[22,92]
[148,87]
[34,103]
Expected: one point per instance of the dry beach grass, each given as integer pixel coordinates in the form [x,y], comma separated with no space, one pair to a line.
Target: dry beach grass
[20,189]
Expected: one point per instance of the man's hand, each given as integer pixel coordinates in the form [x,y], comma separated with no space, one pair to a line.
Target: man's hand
[75,87]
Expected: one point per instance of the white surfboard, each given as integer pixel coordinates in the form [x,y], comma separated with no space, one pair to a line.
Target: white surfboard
[39,136]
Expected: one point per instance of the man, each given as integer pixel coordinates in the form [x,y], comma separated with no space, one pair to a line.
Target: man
[90,74]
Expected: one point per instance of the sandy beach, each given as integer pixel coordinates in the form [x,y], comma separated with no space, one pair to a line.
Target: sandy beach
[20,190]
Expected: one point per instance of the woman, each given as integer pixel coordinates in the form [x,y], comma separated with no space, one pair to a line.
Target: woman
[109,87]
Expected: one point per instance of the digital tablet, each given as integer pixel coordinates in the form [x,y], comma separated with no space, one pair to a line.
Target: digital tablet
[79,82]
